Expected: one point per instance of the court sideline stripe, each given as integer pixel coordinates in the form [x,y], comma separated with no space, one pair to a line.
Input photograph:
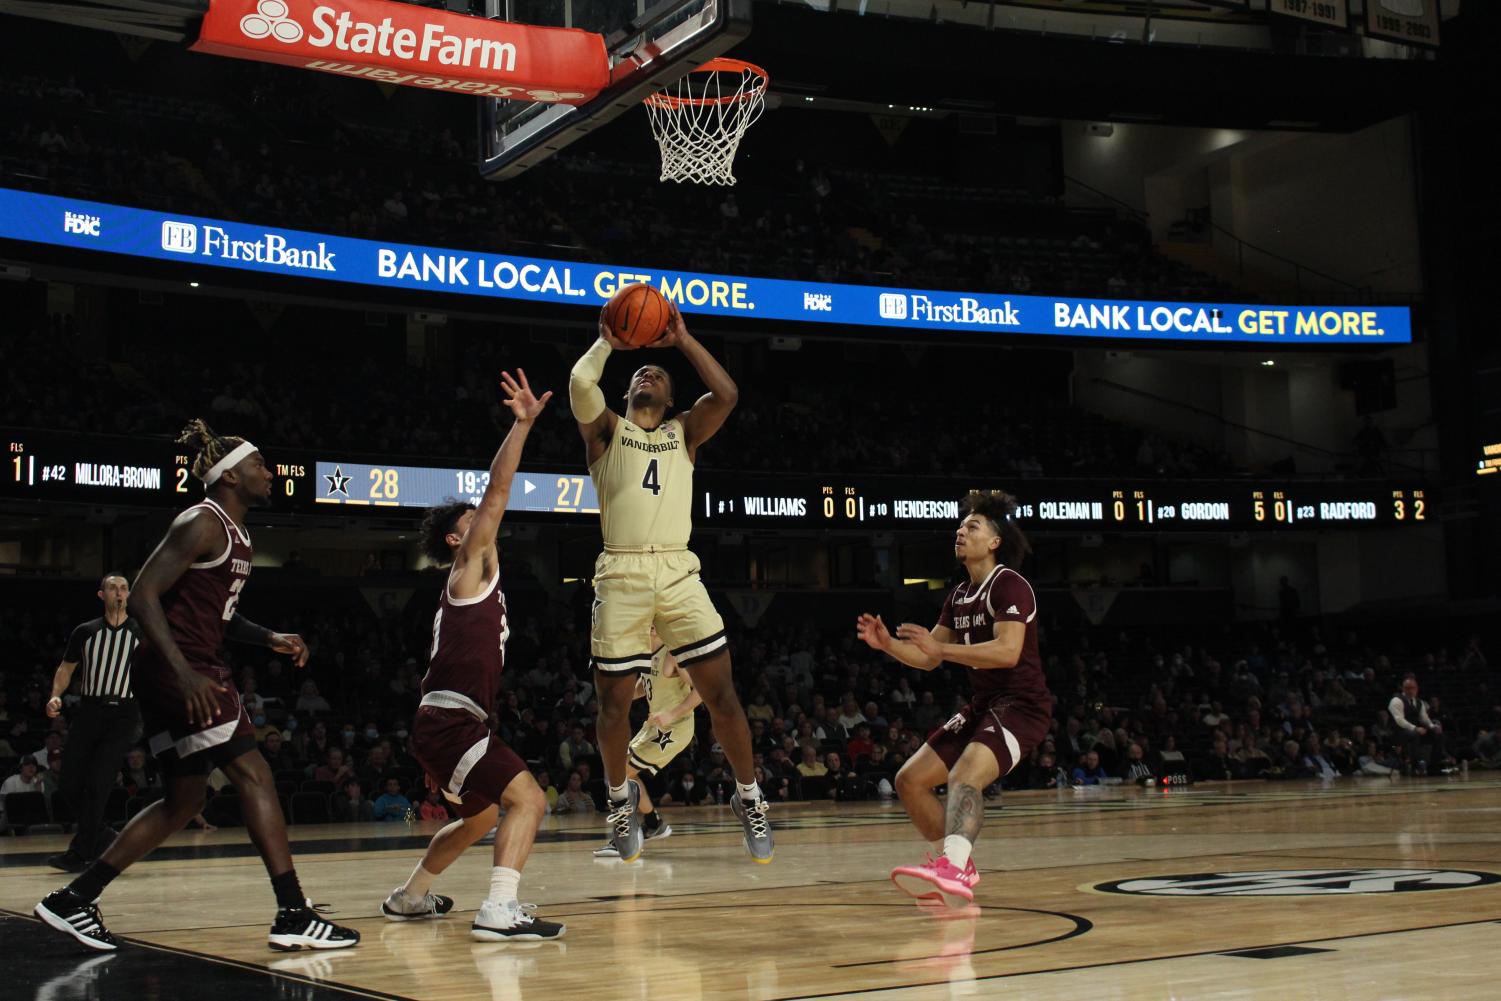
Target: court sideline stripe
[1145,959]
[240,964]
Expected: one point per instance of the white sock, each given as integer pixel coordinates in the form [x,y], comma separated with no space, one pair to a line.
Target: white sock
[620,793]
[503,885]
[419,882]
[957,849]
[748,793]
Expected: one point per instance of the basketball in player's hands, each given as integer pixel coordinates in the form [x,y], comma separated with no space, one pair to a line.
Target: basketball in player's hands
[638,314]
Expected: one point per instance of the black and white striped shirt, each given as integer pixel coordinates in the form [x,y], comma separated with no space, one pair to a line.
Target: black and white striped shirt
[104,652]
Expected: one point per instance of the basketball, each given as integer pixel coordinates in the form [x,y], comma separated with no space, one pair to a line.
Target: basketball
[637,314]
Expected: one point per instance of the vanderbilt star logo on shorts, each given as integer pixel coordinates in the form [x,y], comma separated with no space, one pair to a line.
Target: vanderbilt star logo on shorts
[663,739]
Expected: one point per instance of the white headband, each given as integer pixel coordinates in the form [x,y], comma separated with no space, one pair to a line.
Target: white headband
[231,460]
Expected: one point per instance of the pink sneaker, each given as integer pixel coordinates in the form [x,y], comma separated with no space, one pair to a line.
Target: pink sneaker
[937,878]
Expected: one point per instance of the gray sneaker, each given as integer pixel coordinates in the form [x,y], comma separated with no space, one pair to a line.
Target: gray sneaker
[757,827]
[625,825]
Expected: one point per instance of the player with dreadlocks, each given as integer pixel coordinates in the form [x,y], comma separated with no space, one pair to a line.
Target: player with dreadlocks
[989,625]
[184,600]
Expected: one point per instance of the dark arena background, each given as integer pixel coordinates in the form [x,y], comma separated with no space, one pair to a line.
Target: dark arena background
[1205,285]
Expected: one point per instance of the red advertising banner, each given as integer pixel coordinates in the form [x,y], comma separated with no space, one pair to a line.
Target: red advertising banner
[413,46]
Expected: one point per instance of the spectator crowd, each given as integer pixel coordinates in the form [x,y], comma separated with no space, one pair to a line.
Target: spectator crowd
[830,719]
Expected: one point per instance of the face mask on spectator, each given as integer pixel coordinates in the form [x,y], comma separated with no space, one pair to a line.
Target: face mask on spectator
[401,734]
[687,782]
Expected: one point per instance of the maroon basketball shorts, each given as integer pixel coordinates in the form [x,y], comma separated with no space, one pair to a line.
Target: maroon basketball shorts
[470,764]
[1010,728]
[164,716]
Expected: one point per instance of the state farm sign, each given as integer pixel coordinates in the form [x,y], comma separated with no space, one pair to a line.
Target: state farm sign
[413,46]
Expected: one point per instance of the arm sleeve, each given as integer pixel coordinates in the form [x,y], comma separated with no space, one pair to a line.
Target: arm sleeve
[584,396]
[1395,708]
[1011,598]
[74,653]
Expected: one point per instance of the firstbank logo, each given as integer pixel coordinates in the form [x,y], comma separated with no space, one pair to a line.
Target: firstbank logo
[179,237]
[893,306]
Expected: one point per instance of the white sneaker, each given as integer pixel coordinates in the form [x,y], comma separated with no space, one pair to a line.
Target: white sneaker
[400,907]
[512,922]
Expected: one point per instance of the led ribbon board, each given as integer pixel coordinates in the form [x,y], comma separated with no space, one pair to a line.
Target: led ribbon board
[294,253]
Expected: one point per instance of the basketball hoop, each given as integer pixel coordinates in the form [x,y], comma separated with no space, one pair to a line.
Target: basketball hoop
[700,121]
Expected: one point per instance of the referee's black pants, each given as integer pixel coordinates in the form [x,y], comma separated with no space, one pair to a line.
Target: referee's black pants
[101,732]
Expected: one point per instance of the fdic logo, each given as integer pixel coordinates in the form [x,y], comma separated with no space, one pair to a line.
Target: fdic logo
[1300,882]
[818,302]
[81,223]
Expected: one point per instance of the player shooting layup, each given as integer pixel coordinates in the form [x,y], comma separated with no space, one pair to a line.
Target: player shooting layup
[642,467]
[988,624]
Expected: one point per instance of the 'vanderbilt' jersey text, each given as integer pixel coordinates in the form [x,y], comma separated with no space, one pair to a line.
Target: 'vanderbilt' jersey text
[645,484]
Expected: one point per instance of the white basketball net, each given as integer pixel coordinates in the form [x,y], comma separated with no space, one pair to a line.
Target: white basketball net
[700,120]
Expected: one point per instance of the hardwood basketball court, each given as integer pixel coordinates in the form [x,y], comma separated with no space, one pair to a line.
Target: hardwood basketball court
[1334,909]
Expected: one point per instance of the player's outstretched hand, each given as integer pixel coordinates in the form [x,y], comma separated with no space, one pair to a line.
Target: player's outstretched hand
[608,335]
[292,645]
[676,329]
[524,406]
[918,637]
[873,631]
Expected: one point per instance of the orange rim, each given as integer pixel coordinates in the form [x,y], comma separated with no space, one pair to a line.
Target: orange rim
[720,65]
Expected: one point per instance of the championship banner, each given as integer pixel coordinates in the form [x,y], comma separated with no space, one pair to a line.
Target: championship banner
[1334,13]
[399,43]
[195,242]
[1412,22]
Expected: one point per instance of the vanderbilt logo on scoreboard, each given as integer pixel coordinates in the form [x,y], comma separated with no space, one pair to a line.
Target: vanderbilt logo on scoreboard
[1300,882]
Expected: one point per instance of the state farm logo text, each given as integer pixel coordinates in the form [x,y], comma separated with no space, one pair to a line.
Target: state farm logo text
[338,30]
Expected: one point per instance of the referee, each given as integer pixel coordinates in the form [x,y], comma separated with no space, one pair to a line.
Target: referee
[107,721]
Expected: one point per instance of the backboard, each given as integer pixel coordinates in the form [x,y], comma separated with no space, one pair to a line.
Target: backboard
[649,47]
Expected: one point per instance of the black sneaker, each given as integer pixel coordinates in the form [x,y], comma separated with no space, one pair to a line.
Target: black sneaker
[68,861]
[68,912]
[512,923]
[301,928]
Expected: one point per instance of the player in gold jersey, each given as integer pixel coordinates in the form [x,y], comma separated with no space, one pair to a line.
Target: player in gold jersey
[642,467]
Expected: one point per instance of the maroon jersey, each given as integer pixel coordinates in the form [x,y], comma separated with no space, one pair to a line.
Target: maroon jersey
[469,645]
[971,611]
[204,598]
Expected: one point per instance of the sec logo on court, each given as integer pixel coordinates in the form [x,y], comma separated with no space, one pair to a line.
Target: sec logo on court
[1299,882]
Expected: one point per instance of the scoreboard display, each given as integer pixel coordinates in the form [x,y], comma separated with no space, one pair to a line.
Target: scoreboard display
[52,467]
[886,504]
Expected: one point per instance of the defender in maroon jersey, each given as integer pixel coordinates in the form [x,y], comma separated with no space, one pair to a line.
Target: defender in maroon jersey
[184,601]
[989,625]
[461,756]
